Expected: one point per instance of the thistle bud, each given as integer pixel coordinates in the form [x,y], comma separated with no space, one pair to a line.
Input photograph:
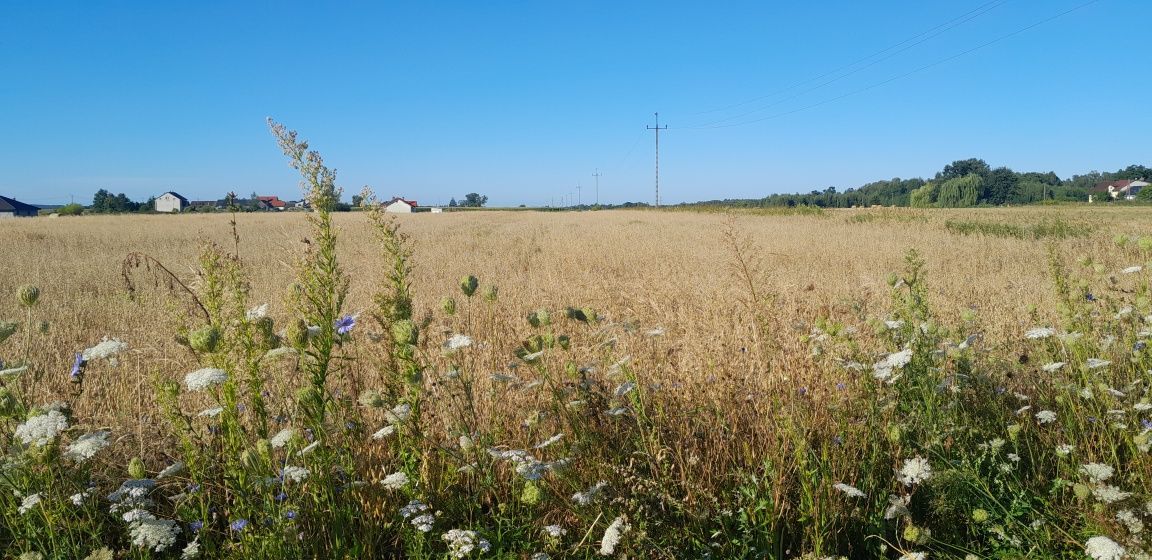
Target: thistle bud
[589,314]
[405,332]
[264,449]
[539,318]
[468,285]
[7,329]
[491,293]
[204,339]
[1081,490]
[979,515]
[531,494]
[28,295]
[136,468]
[7,403]
[448,305]
[372,399]
[297,334]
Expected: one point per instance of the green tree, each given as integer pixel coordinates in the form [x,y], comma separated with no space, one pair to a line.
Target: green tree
[963,167]
[923,197]
[72,209]
[474,200]
[960,192]
[100,201]
[452,203]
[1000,186]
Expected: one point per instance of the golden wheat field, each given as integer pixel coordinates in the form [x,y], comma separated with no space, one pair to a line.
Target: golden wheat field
[678,272]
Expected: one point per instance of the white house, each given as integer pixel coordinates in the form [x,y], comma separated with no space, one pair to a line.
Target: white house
[400,206]
[171,202]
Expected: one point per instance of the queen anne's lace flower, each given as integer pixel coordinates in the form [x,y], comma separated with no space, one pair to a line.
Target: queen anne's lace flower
[458,341]
[295,474]
[848,490]
[395,481]
[1110,494]
[555,531]
[915,471]
[384,432]
[30,501]
[1104,548]
[612,535]
[1039,332]
[205,378]
[1051,367]
[282,438]
[1096,472]
[86,446]
[155,534]
[191,550]
[1045,417]
[588,496]
[462,542]
[42,429]
[171,470]
[105,349]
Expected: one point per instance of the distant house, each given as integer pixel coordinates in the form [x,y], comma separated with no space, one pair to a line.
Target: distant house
[1125,189]
[12,208]
[170,202]
[400,206]
[206,205]
[271,203]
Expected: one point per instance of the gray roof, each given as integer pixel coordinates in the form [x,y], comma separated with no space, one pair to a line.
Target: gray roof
[12,205]
[177,195]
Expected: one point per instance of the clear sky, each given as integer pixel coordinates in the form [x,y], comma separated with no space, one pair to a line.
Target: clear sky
[524,100]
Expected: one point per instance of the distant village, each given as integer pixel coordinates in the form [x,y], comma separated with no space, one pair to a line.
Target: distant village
[172,202]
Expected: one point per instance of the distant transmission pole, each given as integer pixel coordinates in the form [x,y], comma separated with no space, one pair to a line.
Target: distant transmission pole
[597,176]
[657,128]
[579,199]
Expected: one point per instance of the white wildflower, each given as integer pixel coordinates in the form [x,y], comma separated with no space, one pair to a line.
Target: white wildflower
[78,499]
[554,531]
[30,501]
[613,535]
[1132,270]
[384,432]
[1110,494]
[1052,367]
[395,481]
[850,491]
[42,429]
[423,523]
[277,352]
[211,412]
[399,413]
[309,448]
[588,496]
[1104,548]
[465,443]
[540,556]
[1064,449]
[1131,521]
[1045,417]
[105,349]
[191,550]
[1039,332]
[282,438]
[549,441]
[532,357]
[294,474]
[205,378]
[1095,363]
[625,388]
[1123,312]
[171,470]
[915,471]
[86,446]
[1097,472]
[258,312]
[914,556]
[461,543]
[1023,409]
[458,341]
[1014,457]
[897,507]
[1069,338]
[893,325]
[154,534]
[617,411]
[1142,407]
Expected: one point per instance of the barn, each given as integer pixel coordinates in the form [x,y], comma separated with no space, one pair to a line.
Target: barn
[171,202]
[400,206]
[11,208]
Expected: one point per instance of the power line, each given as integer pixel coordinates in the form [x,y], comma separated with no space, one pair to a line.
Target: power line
[906,74]
[657,129]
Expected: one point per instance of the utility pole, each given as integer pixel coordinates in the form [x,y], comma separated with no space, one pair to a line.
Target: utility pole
[657,128]
[597,176]
[579,199]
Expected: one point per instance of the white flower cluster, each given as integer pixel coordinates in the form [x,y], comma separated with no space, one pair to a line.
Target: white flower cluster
[1130,520]
[294,474]
[526,465]
[395,481]
[42,429]
[883,370]
[554,531]
[588,496]
[384,432]
[848,490]
[613,534]
[171,470]
[1039,332]
[915,471]
[132,494]
[398,414]
[191,550]
[420,514]
[462,542]
[105,349]
[457,341]
[282,438]
[1045,417]
[86,446]
[30,501]
[205,378]
[1104,548]
[149,532]
[1097,472]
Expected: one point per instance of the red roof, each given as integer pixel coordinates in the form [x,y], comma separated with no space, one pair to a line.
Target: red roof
[1115,185]
[411,203]
[273,201]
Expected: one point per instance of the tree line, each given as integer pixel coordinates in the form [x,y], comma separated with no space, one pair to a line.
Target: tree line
[962,183]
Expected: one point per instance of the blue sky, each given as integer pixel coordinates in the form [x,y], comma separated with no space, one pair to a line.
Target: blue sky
[522,100]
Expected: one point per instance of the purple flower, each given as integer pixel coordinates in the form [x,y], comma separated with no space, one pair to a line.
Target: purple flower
[1140,345]
[290,514]
[344,324]
[281,496]
[1089,297]
[193,488]
[841,386]
[195,526]
[803,391]
[1146,423]
[238,525]
[78,367]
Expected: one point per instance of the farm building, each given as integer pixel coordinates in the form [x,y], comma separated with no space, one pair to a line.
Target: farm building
[170,202]
[271,203]
[11,208]
[400,206]
[1125,189]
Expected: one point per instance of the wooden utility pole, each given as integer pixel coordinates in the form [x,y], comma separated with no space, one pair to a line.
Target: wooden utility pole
[657,128]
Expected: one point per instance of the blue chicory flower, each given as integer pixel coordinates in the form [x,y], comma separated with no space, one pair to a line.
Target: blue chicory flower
[345,324]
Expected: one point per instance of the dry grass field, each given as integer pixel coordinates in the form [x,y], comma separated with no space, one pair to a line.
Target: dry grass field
[714,314]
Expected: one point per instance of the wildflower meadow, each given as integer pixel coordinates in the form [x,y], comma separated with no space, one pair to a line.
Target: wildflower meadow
[867,383]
